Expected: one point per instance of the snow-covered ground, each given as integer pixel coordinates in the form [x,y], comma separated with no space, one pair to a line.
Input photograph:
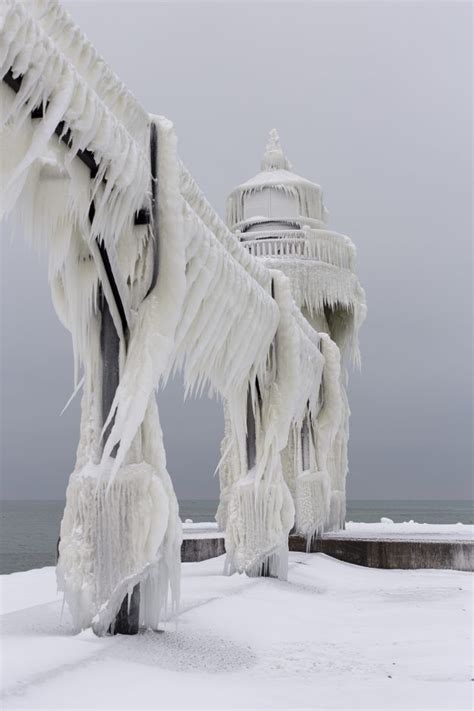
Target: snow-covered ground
[386,528]
[334,636]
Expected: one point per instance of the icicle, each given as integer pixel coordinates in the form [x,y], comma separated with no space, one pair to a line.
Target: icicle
[312,502]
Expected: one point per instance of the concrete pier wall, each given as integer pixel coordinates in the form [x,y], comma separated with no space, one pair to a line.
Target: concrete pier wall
[373,553]
[193,550]
[404,554]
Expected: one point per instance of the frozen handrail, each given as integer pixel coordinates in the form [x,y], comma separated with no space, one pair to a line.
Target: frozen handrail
[60,27]
[42,76]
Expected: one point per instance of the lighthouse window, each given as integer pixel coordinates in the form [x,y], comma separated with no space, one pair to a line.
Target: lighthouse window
[282,204]
[271,202]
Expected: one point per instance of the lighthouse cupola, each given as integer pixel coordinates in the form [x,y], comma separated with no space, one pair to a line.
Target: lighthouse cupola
[275,194]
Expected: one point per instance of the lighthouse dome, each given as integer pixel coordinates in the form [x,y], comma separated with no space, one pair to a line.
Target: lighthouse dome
[276,192]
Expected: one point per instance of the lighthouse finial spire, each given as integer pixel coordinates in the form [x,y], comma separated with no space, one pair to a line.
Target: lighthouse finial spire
[274,158]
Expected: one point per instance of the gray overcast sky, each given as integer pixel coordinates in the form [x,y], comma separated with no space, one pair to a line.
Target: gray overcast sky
[373,101]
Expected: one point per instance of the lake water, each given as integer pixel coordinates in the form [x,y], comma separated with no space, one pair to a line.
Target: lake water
[29,529]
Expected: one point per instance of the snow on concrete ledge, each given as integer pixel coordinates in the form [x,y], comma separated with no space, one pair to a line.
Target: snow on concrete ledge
[385,529]
[409,530]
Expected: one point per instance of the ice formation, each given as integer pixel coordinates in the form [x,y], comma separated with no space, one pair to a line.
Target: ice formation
[121,524]
[131,492]
[257,311]
[281,220]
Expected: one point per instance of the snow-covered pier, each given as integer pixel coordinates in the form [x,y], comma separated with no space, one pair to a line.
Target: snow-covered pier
[334,636]
[375,545]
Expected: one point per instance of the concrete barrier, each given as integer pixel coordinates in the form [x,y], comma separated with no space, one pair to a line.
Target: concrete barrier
[389,553]
[193,550]
[373,553]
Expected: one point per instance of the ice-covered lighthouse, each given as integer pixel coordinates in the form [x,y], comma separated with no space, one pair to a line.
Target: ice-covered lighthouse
[280,217]
[148,279]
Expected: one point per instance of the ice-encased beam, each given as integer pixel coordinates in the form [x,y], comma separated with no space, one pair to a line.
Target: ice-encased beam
[142,216]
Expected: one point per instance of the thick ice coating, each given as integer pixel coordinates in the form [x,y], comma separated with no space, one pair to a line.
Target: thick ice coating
[257,312]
